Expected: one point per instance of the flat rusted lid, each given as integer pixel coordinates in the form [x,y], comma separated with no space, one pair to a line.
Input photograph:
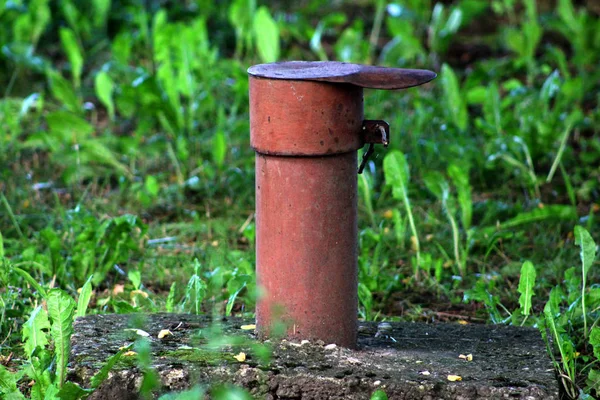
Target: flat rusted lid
[366,76]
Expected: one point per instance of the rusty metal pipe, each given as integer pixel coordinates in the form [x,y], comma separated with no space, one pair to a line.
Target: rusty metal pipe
[306,124]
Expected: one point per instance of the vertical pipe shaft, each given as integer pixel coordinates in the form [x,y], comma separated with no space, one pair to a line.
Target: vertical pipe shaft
[306,135]
[306,245]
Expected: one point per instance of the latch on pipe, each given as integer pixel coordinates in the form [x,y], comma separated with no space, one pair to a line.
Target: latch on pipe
[374,132]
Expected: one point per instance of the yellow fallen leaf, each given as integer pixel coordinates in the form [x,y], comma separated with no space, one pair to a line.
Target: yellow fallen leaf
[163,333]
[118,289]
[462,322]
[139,332]
[240,357]
[414,243]
[129,353]
[250,327]
[468,357]
[454,378]
[138,292]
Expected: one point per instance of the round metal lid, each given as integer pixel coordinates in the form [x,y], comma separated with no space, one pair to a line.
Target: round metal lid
[366,76]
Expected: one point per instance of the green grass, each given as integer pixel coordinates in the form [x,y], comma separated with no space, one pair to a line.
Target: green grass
[124,147]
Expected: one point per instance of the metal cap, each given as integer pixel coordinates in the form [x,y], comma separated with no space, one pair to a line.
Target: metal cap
[366,76]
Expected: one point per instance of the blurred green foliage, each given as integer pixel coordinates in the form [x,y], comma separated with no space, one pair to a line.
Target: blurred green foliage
[124,157]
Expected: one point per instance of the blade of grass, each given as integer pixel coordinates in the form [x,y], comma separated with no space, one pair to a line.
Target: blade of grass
[12,216]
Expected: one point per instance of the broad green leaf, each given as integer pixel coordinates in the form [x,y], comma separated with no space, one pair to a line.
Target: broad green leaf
[62,91]
[453,22]
[397,174]
[572,283]
[84,297]
[595,341]
[219,148]
[25,275]
[587,255]
[379,395]
[61,309]
[121,47]
[71,47]
[526,284]
[453,101]
[194,294]
[588,248]
[102,154]
[39,370]
[101,9]
[170,304]
[552,212]
[514,41]
[531,28]
[8,381]
[491,108]
[34,334]
[195,290]
[365,298]
[39,19]
[266,33]
[231,300]
[102,374]
[226,392]
[240,13]
[69,127]
[104,91]
[550,315]
[435,183]
[51,392]
[194,393]
[23,55]
[152,186]
[554,300]
[477,95]
[550,87]
[460,178]
[72,15]
[135,277]
[16,395]
[31,102]
[150,380]
[438,185]
[593,381]
[566,12]
[72,391]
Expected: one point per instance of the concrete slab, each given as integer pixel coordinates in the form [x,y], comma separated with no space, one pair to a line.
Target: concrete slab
[406,360]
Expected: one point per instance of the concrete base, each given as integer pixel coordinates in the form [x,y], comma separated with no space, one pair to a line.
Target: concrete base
[406,360]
